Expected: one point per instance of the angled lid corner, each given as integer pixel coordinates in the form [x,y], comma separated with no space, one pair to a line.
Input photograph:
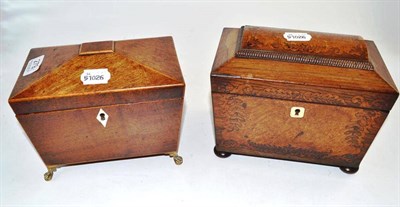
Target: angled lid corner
[268,57]
[64,70]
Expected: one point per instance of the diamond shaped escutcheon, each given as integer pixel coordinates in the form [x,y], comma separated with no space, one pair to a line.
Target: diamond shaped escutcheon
[102,117]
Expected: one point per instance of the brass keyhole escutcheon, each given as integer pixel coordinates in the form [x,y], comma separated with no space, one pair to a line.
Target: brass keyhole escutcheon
[102,116]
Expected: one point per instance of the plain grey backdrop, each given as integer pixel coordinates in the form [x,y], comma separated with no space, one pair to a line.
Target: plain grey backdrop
[203,179]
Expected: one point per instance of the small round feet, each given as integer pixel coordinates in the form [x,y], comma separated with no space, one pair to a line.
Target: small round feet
[178,160]
[221,154]
[48,176]
[349,170]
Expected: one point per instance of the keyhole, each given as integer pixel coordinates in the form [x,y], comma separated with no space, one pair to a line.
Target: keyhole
[297,112]
[102,116]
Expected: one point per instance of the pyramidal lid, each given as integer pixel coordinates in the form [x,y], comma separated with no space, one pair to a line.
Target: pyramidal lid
[96,74]
[269,58]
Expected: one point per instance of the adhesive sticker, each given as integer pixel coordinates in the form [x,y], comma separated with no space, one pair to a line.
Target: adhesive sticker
[33,65]
[95,76]
[297,36]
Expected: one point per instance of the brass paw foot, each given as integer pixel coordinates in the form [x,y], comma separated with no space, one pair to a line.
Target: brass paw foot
[49,174]
[177,159]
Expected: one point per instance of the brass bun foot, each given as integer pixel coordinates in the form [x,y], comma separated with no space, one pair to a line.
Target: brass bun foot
[177,159]
[49,174]
[349,170]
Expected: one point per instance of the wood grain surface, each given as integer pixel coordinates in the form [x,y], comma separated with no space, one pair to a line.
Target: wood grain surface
[330,135]
[321,44]
[133,130]
[57,85]
[287,80]
[143,100]
[344,107]
[89,48]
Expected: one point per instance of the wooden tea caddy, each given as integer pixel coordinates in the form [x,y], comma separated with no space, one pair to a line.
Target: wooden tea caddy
[101,101]
[299,95]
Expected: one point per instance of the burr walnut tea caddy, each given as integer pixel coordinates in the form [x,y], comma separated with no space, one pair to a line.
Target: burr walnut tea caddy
[299,95]
[101,101]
